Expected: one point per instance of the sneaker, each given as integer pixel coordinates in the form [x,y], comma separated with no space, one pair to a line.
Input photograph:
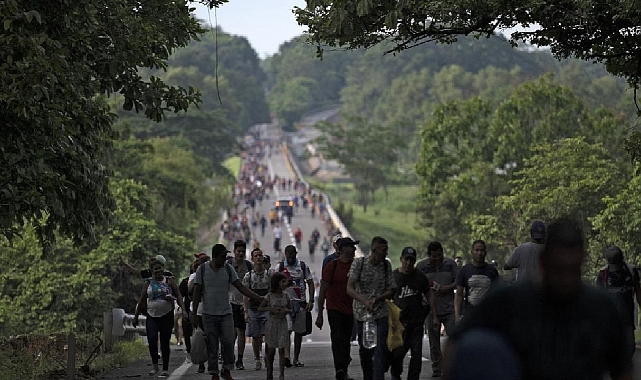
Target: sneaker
[288,363]
[215,377]
[347,377]
[340,375]
[226,375]
[163,374]
[239,365]
[201,368]
[258,366]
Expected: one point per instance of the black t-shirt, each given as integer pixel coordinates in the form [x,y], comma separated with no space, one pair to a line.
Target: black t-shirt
[411,296]
[578,339]
[623,284]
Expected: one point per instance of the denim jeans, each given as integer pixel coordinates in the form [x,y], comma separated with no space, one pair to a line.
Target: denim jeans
[413,342]
[374,362]
[339,324]
[219,329]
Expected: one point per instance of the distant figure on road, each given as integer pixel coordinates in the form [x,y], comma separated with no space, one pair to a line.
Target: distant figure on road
[278,234]
[263,224]
[525,257]
[298,236]
[312,247]
[325,247]
[558,329]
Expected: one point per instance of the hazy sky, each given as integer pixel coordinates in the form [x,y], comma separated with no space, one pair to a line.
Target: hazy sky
[265,23]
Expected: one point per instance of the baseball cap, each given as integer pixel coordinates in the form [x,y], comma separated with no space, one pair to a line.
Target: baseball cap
[346,242]
[336,238]
[219,250]
[614,255]
[162,259]
[408,252]
[266,259]
[537,231]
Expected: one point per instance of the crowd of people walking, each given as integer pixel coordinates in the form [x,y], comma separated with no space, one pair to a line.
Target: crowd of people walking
[545,325]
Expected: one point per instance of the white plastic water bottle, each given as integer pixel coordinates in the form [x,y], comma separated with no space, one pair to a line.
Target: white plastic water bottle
[369,332]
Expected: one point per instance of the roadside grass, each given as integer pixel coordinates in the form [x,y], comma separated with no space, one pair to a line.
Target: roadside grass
[394,218]
[18,363]
[233,165]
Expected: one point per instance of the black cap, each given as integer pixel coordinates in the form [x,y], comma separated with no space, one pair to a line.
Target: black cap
[266,259]
[219,250]
[409,252]
[537,231]
[346,242]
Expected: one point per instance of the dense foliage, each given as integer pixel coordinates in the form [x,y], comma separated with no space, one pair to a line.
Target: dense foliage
[57,56]
[595,30]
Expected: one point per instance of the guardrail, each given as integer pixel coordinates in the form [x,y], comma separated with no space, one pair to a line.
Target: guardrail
[328,206]
[117,324]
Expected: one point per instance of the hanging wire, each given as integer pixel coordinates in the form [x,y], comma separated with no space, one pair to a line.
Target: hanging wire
[214,31]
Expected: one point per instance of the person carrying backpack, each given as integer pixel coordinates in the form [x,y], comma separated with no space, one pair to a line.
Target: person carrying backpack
[622,280]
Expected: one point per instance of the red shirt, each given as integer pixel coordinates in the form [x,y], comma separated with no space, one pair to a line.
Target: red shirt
[336,296]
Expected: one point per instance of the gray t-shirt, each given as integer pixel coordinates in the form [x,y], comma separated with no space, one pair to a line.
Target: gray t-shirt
[444,274]
[371,280]
[215,288]
[525,257]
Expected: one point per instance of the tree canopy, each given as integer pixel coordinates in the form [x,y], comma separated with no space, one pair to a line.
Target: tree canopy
[58,56]
[596,30]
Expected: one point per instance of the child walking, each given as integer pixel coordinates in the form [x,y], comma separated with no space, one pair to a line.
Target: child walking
[276,334]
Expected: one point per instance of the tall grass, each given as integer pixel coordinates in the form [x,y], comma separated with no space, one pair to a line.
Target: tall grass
[393,218]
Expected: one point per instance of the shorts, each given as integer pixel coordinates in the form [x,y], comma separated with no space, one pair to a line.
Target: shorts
[239,317]
[257,321]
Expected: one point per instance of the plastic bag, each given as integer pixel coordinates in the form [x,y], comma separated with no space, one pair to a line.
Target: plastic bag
[395,329]
[198,347]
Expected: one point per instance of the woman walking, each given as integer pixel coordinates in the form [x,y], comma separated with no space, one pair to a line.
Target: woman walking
[276,334]
[158,294]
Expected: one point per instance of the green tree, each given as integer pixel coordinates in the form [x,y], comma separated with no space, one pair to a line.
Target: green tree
[366,151]
[57,57]
[291,99]
[595,31]
[619,222]
[569,177]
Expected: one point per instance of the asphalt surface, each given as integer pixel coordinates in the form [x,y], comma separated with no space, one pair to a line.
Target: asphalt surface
[316,352]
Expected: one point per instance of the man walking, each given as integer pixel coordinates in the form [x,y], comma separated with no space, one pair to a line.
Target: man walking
[414,298]
[302,281]
[340,313]
[257,280]
[242,267]
[622,280]
[211,286]
[525,257]
[441,272]
[370,283]
[474,280]
[557,329]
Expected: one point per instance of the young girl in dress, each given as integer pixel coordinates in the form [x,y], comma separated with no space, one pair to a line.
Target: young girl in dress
[276,335]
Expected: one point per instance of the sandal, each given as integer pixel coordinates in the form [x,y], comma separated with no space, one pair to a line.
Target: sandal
[299,364]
